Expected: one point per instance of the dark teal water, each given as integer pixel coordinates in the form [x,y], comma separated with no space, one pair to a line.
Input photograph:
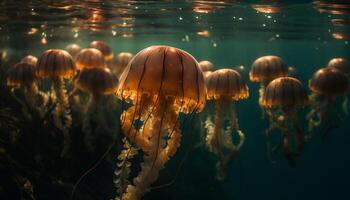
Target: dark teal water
[304,33]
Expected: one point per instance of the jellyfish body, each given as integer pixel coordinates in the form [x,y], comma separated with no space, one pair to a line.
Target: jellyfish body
[32,60]
[89,58]
[326,85]
[225,86]
[282,96]
[73,49]
[120,62]
[22,76]
[206,65]
[265,69]
[104,48]
[98,82]
[342,65]
[160,82]
[57,65]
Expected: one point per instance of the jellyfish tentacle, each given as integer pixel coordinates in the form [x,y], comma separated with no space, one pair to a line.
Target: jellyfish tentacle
[345,105]
[299,135]
[287,150]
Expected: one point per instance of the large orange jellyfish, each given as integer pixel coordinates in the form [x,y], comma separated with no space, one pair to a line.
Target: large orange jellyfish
[326,85]
[342,65]
[57,65]
[104,48]
[120,62]
[225,86]
[160,82]
[282,96]
[98,82]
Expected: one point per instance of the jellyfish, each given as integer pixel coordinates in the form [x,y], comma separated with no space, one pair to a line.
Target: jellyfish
[282,96]
[206,65]
[98,82]
[32,60]
[22,76]
[57,65]
[104,48]
[342,65]
[89,58]
[265,69]
[160,82]
[225,86]
[120,62]
[326,85]
[73,49]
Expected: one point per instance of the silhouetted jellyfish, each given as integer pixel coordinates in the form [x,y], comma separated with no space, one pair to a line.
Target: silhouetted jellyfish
[104,48]
[225,86]
[32,60]
[326,85]
[57,65]
[89,58]
[282,96]
[160,82]
[265,69]
[22,76]
[120,62]
[98,82]
[73,49]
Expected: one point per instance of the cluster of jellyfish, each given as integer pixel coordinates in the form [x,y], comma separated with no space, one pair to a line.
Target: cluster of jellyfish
[158,84]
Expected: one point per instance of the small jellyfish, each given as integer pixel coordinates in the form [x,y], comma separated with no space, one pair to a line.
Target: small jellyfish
[225,87]
[104,48]
[206,65]
[326,85]
[160,82]
[266,69]
[73,49]
[342,65]
[58,65]
[98,82]
[120,62]
[89,58]
[281,98]
[32,60]
[22,76]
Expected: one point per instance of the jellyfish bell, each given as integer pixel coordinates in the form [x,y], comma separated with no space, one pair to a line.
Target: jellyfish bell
[282,96]
[73,49]
[58,65]
[160,82]
[341,64]
[104,48]
[269,9]
[32,60]
[224,87]
[120,62]
[89,58]
[206,65]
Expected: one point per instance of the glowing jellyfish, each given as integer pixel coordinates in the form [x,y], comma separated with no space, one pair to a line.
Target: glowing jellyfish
[342,65]
[58,65]
[225,86]
[73,49]
[120,62]
[160,82]
[326,85]
[264,70]
[89,58]
[32,60]
[104,48]
[98,82]
[282,96]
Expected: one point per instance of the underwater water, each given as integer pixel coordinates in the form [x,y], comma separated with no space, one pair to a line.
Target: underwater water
[230,34]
